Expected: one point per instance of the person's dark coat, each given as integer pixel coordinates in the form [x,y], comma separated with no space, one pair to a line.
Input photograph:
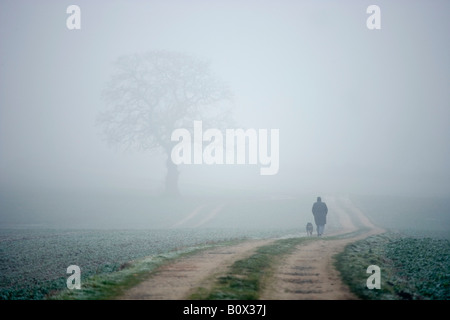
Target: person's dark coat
[320,211]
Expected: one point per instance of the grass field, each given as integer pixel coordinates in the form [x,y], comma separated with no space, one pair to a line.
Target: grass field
[411,268]
[414,255]
[33,262]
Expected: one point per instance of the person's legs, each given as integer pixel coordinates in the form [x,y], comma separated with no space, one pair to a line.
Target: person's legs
[320,229]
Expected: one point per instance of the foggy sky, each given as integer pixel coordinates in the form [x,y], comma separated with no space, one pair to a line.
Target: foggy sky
[359,110]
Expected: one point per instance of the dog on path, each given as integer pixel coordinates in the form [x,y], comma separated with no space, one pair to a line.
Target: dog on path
[309,229]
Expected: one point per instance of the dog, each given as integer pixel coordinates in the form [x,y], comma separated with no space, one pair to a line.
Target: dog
[309,229]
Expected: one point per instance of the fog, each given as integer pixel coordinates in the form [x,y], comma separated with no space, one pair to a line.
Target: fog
[359,111]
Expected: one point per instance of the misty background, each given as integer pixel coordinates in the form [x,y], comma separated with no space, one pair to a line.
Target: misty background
[359,111]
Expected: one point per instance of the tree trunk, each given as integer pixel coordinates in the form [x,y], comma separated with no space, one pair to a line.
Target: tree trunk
[171,178]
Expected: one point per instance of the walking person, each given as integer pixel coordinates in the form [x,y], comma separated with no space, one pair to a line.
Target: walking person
[320,211]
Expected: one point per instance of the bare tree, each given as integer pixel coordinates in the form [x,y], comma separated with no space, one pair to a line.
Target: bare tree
[151,94]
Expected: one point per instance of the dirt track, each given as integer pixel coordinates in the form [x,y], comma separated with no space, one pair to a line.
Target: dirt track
[307,273]
[177,280]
